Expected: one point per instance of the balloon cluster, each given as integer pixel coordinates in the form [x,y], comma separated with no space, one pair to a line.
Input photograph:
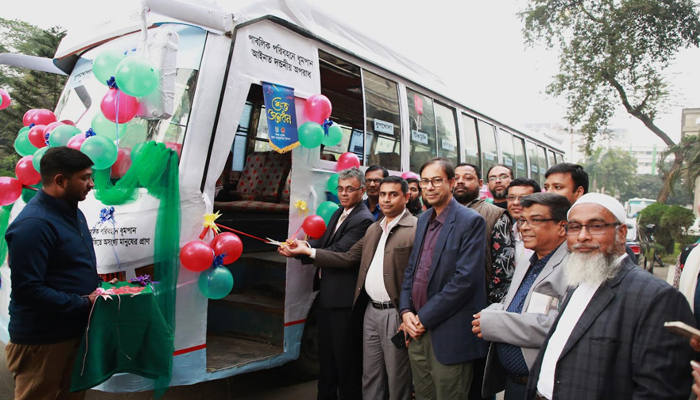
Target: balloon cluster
[5,99]
[320,130]
[215,281]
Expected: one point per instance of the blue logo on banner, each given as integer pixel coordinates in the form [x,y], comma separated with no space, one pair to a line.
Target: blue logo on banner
[281,116]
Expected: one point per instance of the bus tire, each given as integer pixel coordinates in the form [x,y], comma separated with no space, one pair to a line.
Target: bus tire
[306,368]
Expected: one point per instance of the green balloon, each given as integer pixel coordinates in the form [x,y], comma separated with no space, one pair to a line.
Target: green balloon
[325,210]
[332,185]
[135,133]
[36,161]
[105,64]
[215,283]
[61,134]
[25,129]
[28,194]
[335,136]
[23,146]
[137,76]
[310,135]
[102,151]
[104,127]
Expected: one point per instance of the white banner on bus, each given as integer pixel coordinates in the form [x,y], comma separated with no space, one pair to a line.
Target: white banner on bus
[420,137]
[383,127]
[489,156]
[472,152]
[521,166]
[533,168]
[447,145]
[507,161]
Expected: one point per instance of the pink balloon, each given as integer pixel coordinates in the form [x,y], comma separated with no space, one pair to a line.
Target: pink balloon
[6,100]
[409,174]
[26,173]
[51,126]
[27,119]
[128,106]
[68,122]
[40,117]
[123,163]
[347,160]
[76,141]
[228,243]
[10,190]
[36,136]
[318,108]
[174,146]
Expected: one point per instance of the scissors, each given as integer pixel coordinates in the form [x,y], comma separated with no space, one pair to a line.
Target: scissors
[274,242]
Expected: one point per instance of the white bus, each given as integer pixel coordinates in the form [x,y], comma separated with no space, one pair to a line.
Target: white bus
[391,111]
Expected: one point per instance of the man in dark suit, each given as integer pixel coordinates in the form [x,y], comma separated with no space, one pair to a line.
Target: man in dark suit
[339,342]
[443,288]
[609,340]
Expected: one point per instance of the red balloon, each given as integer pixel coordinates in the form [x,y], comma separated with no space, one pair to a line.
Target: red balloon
[27,119]
[39,117]
[177,147]
[128,106]
[36,136]
[123,163]
[196,256]
[6,100]
[50,127]
[26,173]
[314,226]
[76,141]
[10,190]
[68,122]
[318,108]
[228,243]
[347,160]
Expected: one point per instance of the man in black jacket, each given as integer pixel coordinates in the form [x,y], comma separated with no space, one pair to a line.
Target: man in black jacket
[54,277]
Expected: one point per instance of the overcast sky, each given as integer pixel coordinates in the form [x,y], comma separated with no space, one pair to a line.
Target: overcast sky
[475,46]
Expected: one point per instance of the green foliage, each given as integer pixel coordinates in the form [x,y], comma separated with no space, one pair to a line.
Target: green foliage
[611,171]
[690,169]
[676,220]
[671,223]
[649,186]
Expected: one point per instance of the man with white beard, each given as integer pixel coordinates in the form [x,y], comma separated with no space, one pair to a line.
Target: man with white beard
[609,341]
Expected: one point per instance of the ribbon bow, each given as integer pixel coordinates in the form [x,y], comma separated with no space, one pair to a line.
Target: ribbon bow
[105,294]
[89,133]
[327,124]
[143,280]
[210,224]
[112,83]
[107,215]
[302,206]
[219,260]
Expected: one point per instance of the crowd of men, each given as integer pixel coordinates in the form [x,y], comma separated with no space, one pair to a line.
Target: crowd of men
[428,290]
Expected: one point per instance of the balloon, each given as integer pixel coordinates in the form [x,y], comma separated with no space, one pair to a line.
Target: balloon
[177,147]
[104,127]
[36,160]
[335,136]
[347,160]
[102,151]
[137,76]
[123,163]
[128,106]
[76,142]
[216,283]
[104,65]
[50,127]
[39,117]
[409,174]
[26,173]
[310,135]
[136,151]
[23,146]
[10,190]
[27,119]
[325,210]
[314,226]
[6,100]
[318,108]
[228,243]
[36,136]
[68,122]
[332,184]
[196,256]
[61,135]
[135,134]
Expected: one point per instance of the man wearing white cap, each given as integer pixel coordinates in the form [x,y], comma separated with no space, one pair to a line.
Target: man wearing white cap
[609,341]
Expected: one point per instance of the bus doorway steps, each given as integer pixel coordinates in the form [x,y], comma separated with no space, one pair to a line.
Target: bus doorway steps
[231,351]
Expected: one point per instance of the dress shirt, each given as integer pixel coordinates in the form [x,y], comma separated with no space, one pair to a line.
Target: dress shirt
[520,249]
[374,282]
[377,211]
[341,219]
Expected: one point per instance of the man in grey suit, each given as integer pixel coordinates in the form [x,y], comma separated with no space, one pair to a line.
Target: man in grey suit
[518,326]
[609,340]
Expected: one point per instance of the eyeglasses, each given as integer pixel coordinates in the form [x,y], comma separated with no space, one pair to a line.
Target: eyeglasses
[594,228]
[513,197]
[502,177]
[437,182]
[348,190]
[533,221]
[374,181]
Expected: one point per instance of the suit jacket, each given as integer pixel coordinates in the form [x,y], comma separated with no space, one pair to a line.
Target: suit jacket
[337,286]
[526,330]
[396,253]
[455,284]
[619,348]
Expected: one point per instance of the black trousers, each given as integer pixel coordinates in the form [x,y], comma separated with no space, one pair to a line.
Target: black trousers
[478,380]
[339,355]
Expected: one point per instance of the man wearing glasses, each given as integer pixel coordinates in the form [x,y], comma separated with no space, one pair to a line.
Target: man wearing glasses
[518,189]
[518,326]
[374,175]
[443,288]
[609,340]
[499,177]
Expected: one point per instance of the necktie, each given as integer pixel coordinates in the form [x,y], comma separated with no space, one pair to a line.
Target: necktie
[340,220]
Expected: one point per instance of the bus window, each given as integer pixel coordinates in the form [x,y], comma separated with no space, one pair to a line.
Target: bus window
[542,154]
[487,137]
[520,167]
[240,141]
[383,124]
[422,124]
[447,133]
[471,145]
[507,147]
[341,83]
[534,162]
[559,158]
[551,159]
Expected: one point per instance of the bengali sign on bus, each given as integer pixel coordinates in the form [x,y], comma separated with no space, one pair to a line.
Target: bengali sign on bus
[281,116]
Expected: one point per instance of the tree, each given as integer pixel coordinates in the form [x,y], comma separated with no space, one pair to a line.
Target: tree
[613,52]
[648,187]
[611,171]
[688,173]
[28,89]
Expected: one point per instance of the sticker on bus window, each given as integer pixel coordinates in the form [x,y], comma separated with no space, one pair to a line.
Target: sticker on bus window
[472,152]
[521,166]
[533,168]
[420,137]
[447,145]
[489,156]
[507,161]
[383,127]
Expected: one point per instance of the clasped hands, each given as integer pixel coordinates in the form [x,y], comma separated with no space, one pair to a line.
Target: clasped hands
[294,248]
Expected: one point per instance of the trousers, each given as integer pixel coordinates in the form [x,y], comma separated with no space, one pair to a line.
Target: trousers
[339,355]
[433,380]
